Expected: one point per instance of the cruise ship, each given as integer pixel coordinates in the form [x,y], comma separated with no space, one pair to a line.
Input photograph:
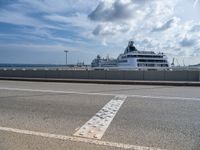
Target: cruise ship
[133,59]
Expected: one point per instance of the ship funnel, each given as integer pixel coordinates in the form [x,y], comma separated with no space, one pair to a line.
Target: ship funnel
[130,43]
[130,47]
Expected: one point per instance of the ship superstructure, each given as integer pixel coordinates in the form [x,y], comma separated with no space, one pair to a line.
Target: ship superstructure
[133,59]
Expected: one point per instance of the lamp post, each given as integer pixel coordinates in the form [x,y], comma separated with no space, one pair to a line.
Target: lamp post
[66,51]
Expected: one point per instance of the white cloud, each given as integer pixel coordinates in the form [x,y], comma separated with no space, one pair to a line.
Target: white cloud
[23,19]
[113,11]
[32,47]
[109,24]
[119,21]
[195,3]
[189,41]
[77,20]
[195,28]
[165,26]
[135,14]
[51,16]
[18,18]
[32,13]
[110,29]
[53,6]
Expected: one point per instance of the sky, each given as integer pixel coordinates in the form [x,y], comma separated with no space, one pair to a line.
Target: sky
[38,31]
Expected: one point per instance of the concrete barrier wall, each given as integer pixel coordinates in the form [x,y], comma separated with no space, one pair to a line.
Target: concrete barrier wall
[193,76]
[154,75]
[4,73]
[134,75]
[176,76]
[199,76]
[52,74]
[106,75]
[66,74]
[34,74]
[115,75]
[97,74]
[80,74]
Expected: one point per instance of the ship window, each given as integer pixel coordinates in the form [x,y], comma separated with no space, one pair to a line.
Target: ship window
[131,56]
[150,60]
[149,56]
[164,65]
[150,65]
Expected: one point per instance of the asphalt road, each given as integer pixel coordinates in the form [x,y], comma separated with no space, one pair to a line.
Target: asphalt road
[37,116]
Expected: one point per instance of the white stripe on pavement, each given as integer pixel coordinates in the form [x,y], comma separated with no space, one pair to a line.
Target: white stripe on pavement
[97,125]
[77,139]
[102,94]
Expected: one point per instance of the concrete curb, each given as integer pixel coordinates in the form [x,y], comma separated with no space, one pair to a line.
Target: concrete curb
[124,82]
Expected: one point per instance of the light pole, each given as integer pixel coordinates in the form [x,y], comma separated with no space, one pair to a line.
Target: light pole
[66,51]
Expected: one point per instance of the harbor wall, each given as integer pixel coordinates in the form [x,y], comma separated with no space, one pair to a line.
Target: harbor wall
[105,75]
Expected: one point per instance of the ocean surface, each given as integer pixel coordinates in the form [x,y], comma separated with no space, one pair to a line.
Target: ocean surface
[30,65]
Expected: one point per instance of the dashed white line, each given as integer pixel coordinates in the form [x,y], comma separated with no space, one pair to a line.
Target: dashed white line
[97,125]
[77,139]
[102,94]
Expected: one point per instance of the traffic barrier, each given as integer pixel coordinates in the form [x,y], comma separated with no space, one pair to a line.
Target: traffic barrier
[97,74]
[193,75]
[104,75]
[80,74]
[115,75]
[34,74]
[134,75]
[52,74]
[199,75]
[154,75]
[66,74]
[176,75]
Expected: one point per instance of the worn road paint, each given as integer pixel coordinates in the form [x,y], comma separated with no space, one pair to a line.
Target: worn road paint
[77,139]
[103,94]
[97,125]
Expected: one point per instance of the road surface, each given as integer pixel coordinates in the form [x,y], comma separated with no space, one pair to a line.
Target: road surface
[62,116]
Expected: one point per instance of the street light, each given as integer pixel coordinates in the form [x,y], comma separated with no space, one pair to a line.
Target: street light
[66,51]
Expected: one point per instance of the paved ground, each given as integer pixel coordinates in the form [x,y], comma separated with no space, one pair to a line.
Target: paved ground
[37,116]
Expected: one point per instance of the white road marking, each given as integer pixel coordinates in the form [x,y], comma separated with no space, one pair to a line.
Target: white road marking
[77,139]
[97,125]
[103,94]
